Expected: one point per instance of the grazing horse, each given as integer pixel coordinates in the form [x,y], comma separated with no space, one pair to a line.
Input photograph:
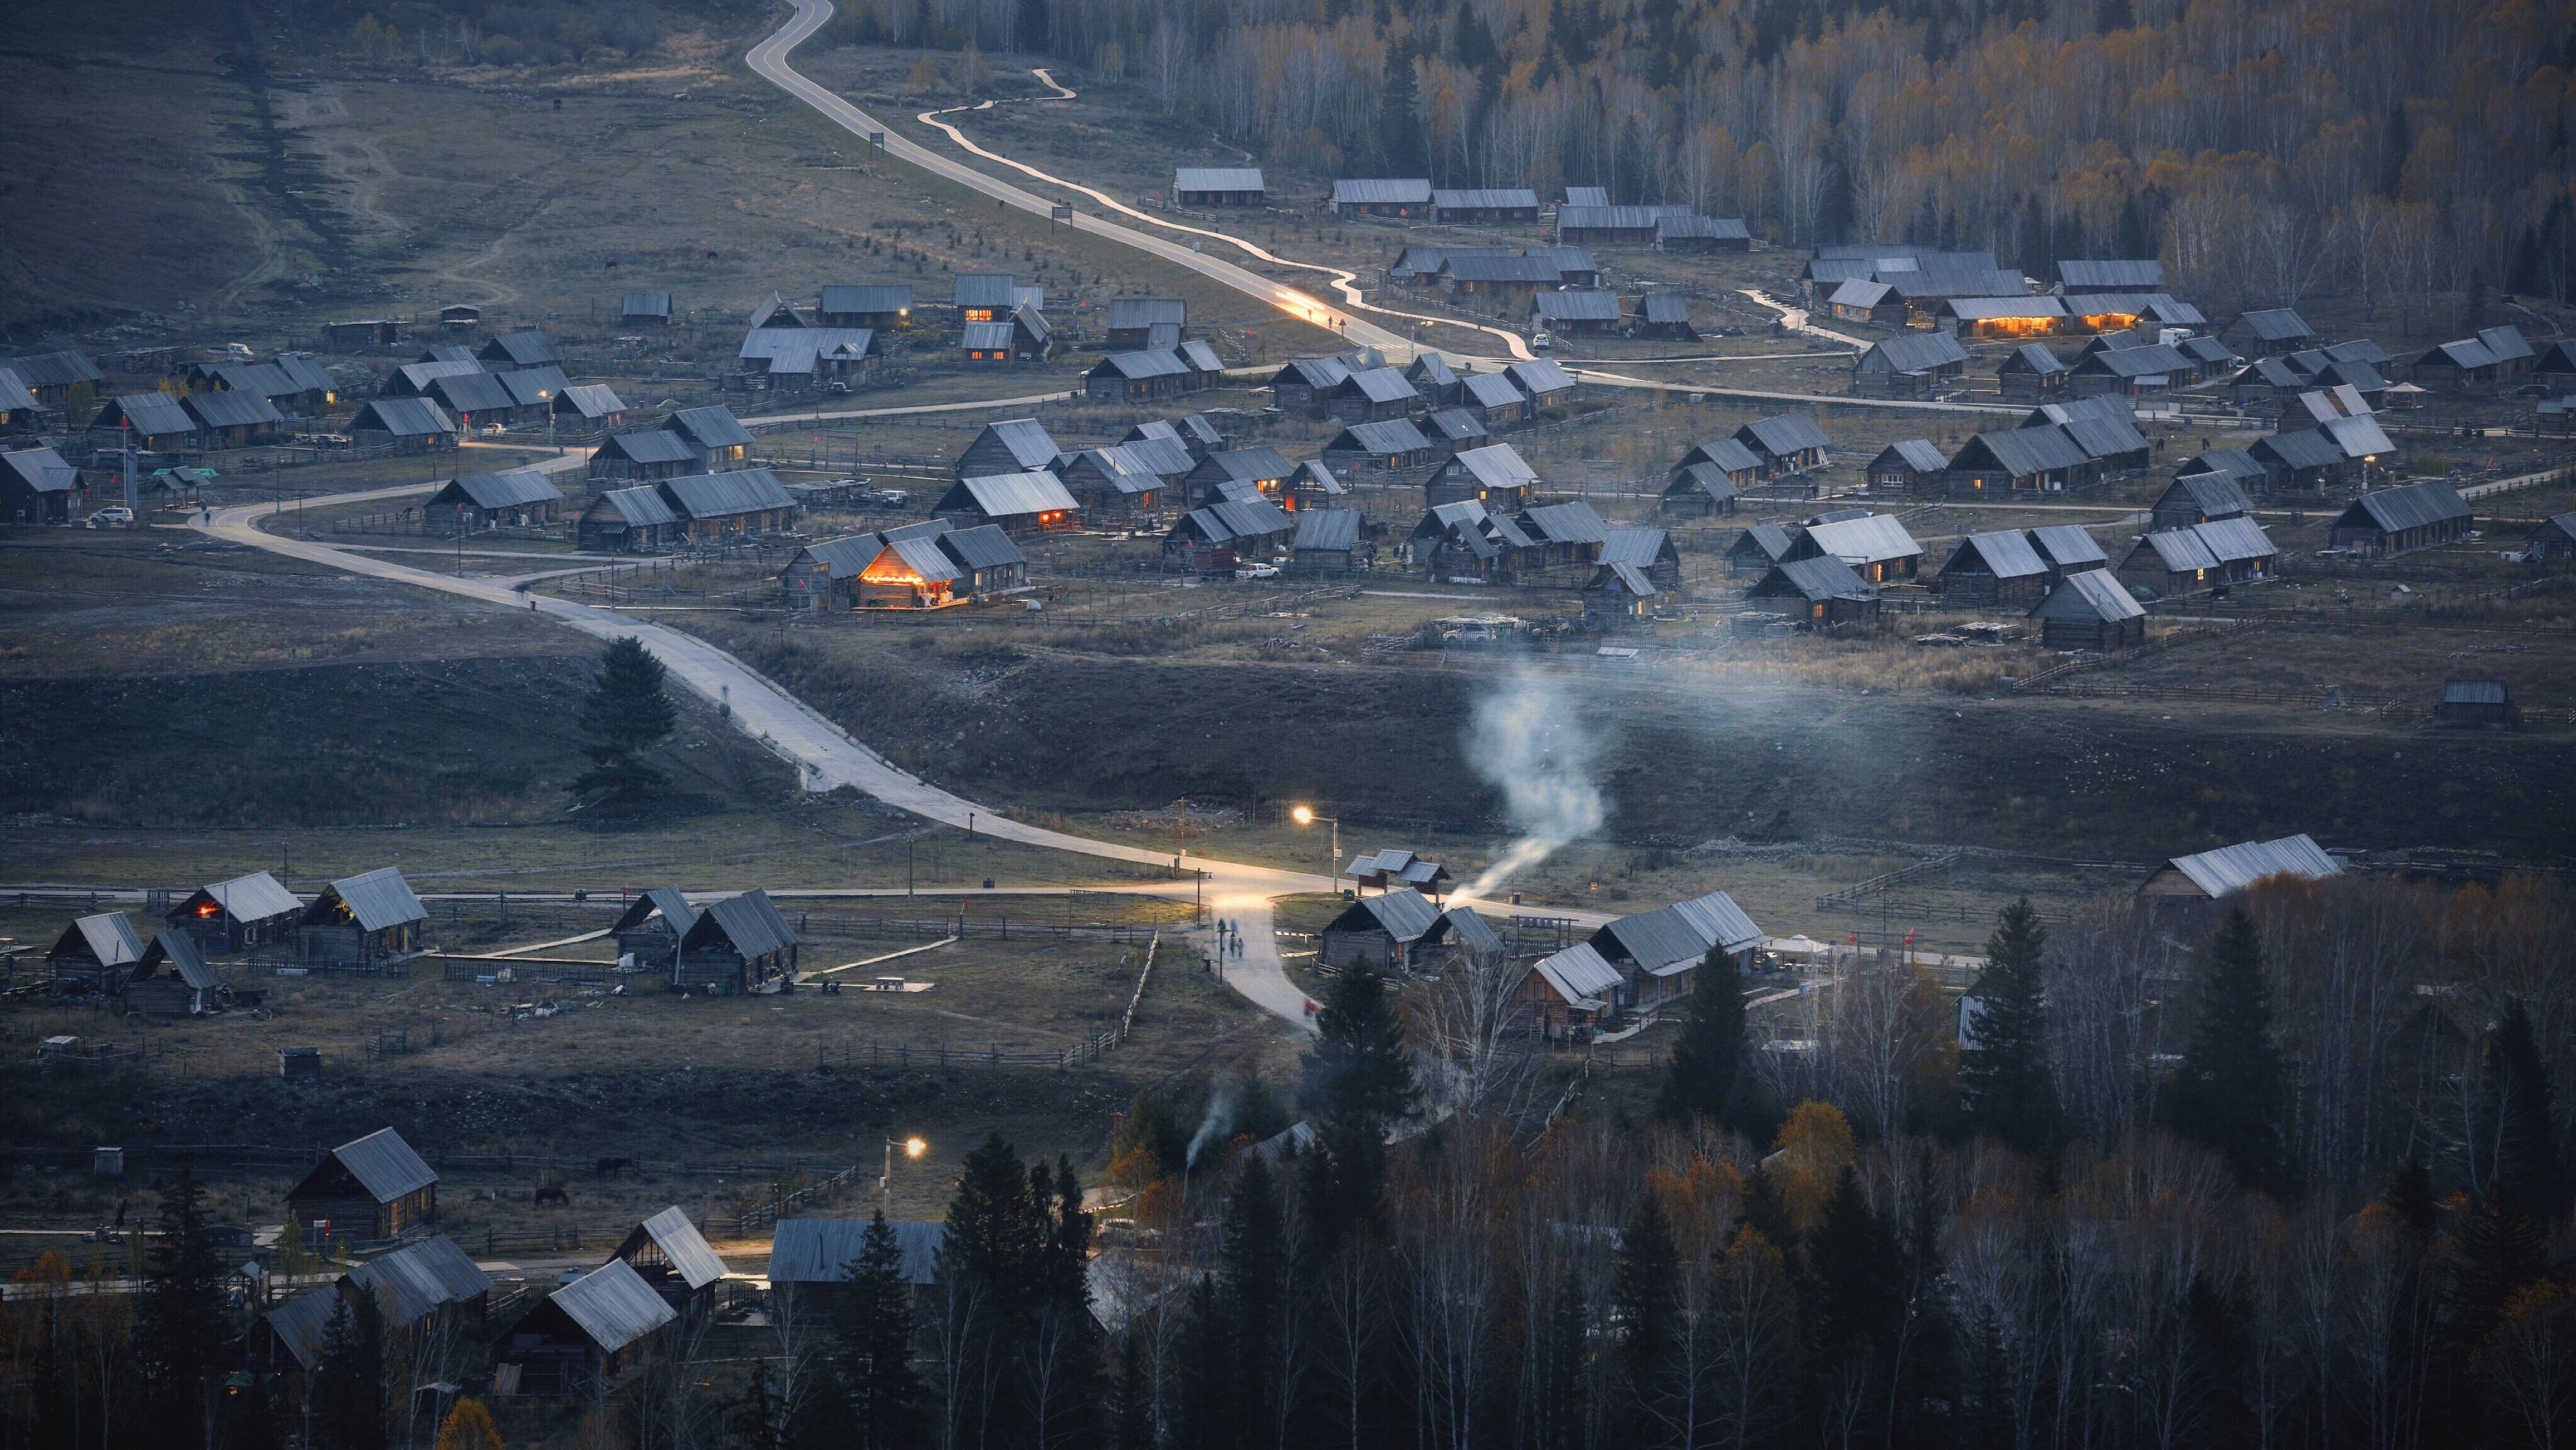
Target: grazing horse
[548,1193]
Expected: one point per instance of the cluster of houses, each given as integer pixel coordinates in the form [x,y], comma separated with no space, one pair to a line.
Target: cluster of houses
[999,320]
[1968,294]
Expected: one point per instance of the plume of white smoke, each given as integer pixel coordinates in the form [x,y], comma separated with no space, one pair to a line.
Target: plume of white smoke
[1216,1125]
[1526,740]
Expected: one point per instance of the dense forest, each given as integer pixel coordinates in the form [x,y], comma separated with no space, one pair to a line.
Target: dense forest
[2268,151]
[2298,1177]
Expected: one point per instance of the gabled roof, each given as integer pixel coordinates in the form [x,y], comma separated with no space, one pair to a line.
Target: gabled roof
[303,1323]
[2177,551]
[1379,191]
[1333,531]
[14,396]
[1816,580]
[1381,385]
[1245,465]
[593,400]
[1564,259]
[107,938]
[987,336]
[1679,936]
[2465,353]
[1217,178]
[1615,218]
[723,495]
[2035,358]
[1723,228]
[2135,362]
[2358,437]
[2088,594]
[150,413]
[1496,198]
[1728,454]
[1662,309]
[1228,520]
[464,393]
[1768,540]
[1481,266]
[639,507]
[2214,494]
[1915,453]
[2234,463]
[403,417]
[1859,292]
[1134,312]
[747,923]
[527,348]
[1565,523]
[384,1165]
[2407,506]
[2506,342]
[1320,478]
[1405,915]
[237,410]
[2006,553]
[2106,437]
[2023,452]
[683,1247]
[1916,352]
[415,1281]
[1541,375]
[984,546]
[2068,546]
[1012,495]
[1385,437]
[2278,324]
[666,901]
[644,304]
[1118,465]
[2474,692]
[613,1305]
[1496,465]
[1468,930]
[1491,390]
[531,386]
[2143,275]
[1314,372]
[515,489]
[2235,540]
[1870,539]
[713,426]
[1152,362]
[375,900]
[1576,306]
[1026,439]
[921,554]
[1643,548]
[871,297]
[2231,869]
[1782,436]
[1587,196]
[54,369]
[1579,975]
[821,1250]
[255,897]
[2015,304]
[1457,425]
[985,289]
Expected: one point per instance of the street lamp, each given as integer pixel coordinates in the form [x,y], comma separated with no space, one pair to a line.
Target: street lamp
[547,397]
[912,1148]
[1305,816]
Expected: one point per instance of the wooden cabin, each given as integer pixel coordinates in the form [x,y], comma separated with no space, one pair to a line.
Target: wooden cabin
[1496,476]
[366,1190]
[1994,568]
[2183,893]
[1218,186]
[737,945]
[479,501]
[1787,444]
[2090,611]
[236,915]
[1139,323]
[1875,546]
[722,505]
[98,953]
[1382,932]
[1023,505]
[876,306]
[1911,365]
[2201,497]
[363,921]
[671,1256]
[1393,445]
[634,520]
[1910,466]
[2402,520]
[1756,549]
[1493,399]
[1567,994]
[648,932]
[2031,372]
[1328,541]
[173,980]
[2463,702]
[810,1261]
[1819,591]
[1015,445]
[1657,954]
[586,1336]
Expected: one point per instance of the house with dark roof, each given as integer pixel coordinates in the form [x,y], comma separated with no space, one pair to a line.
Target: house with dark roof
[1493,399]
[1392,445]
[2200,496]
[2401,520]
[1495,475]
[1454,429]
[1911,465]
[1611,226]
[1219,537]
[1710,477]
[2090,611]
[1465,542]
[1909,365]
[1387,932]
[98,953]
[478,501]
[1022,505]
[1821,590]
[407,425]
[2463,702]
[1664,315]
[1657,954]
[1015,445]
[2145,275]
[1433,378]
[1023,336]
[1372,395]
[526,348]
[1226,474]
[1312,485]
[1302,384]
[2273,331]
[650,928]
[234,420]
[2554,540]
[153,422]
[173,980]
[1218,186]
[2185,889]
[1484,206]
[366,1190]
[641,309]
[1999,567]
[1576,313]
[1757,548]
[1542,381]
[364,921]
[1112,483]
[1374,196]
[738,944]
[1875,546]
[636,520]
[586,1336]
[1506,279]
[585,408]
[2032,372]
[2175,563]
[2020,460]
[1147,322]
[1690,234]
[2153,368]
[38,487]
[720,505]
[19,407]
[810,1261]
[1136,377]
[669,1253]
[1328,541]
[876,306]
[236,915]
[1787,444]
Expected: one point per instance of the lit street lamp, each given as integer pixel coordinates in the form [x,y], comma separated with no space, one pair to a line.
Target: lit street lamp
[1305,816]
[912,1148]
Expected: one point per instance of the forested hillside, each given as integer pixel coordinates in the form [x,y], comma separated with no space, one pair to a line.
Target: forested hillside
[2266,151]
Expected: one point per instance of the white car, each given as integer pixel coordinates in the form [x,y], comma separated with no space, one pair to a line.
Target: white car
[1257,571]
[112,518]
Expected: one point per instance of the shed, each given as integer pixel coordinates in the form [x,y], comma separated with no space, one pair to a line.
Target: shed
[2555,539]
[1820,590]
[1393,868]
[644,309]
[527,348]
[1910,466]
[1664,315]
[720,505]
[1484,206]
[649,930]
[1391,445]
[366,1190]
[1382,931]
[2190,884]
[98,953]
[404,424]
[362,921]
[361,332]
[588,1334]
[629,521]
[670,1255]
[1495,475]
[2473,702]
[1566,993]
[480,501]
[236,915]
[738,944]
[1702,234]
[2273,331]
[1016,445]
[877,306]
[2091,611]
[2403,519]
[1994,568]
[1328,541]
[190,987]
[2197,498]
[1218,186]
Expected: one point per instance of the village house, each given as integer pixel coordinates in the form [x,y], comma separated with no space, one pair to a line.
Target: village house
[1022,505]
[2018,316]
[412,379]
[2174,563]
[1858,299]
[1508,281]
[2031,372]
[649,930]
[1649,551]
[365,920]
[1710,477]
[1371,396]
[1311,486]
[2463,702]
[1394,868]
[1147,322]
[50,377]
[1758,548]
[1017,445]
[824,576]
[1663,315]
[585,1337]
[1875,546]
[2554,540]
[1484,206]
[18,405]
[235,420]
[1910,466]
[1381,196]
[1112,485]
[634,520]
[2080,276]
[985,296]
[642,309]
[2271,332]
[479,501]
[1610,226]
[2066,549]
[527,348]
[2103,426]
[1575,266]
[585,408]
[1542,381]
[1218,538]
[805,358]
[1024,336]
[1493,399]
[1136,377]
[1385,932]
[1787,444]
[2090,611]
[1464,542]
[2020,460]
[1573,313]
[1218,186]
[1394,445]
[738,944]
[1433,378]
[1697,234]
[423,1292]
[668,1253]
[1657,954]
[467,397]
[1568,993]
[2264,379]
[2201,496]
[99,953]
[1619,593]
[1262,468]
[153,422]
[366,1190]
[2152,368]
[2211,358]
[190,987]
[1302,385]
[876,306]
[1819,590]
[1190,439]
[1563,536]
[2401,520]
[1993,568]
[2183,892]
[1328,541]
[236,915]
[407,425]
[922,567]
[1454,429]
[1495,475]
[810,1260]
[721,505]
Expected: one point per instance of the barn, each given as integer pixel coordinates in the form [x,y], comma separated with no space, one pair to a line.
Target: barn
[366,1190]
[1576,313]
[1218,186]
[1493,399]
[1994,568]
[2463,702]
[649,930]
[154,422]
[362,920]
[2403,519]
[1016,445]
[586,1336]
[2184,889]
[2090,611]
[1484,206]
[720,505]
[1664,315]
[2199,498]
[1382,196]
[1789,443]
[739,944]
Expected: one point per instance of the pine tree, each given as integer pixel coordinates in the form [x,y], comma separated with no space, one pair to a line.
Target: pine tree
[2228,1095]
[1063,1341]
[1252,1288]
[2005,1077]
[1855,1271]
[872,1328]
[2516,1151]
[1699,1083]
[625,714]
[1205,1411]
[1132,1411]
[1561,1388]
[995,1238]
[181,1329]
[1399,124]
[1360,1073]
[1649,1274]
[348,1395]
[1029,29]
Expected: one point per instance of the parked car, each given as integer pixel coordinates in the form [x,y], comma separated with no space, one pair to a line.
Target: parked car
[1257,571]
[112,518]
